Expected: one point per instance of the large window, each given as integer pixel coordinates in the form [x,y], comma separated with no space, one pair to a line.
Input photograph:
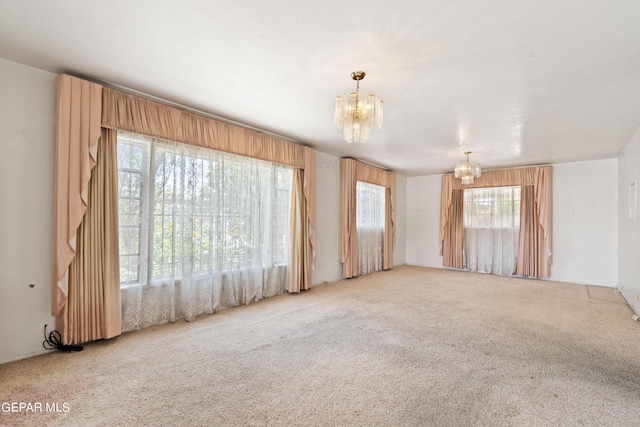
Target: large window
[370,220]
[187,210]
[491,229]
[199,229]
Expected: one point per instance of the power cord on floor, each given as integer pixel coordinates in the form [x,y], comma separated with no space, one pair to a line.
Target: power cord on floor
[54,342]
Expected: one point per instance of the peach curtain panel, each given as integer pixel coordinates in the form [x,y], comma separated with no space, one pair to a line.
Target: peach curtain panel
[300,272]
[529,241]
[78,115]
[303,219]
[535,226]
[538,254]
[348,254]
[352,171]
[453,244]
[544,208]
[130,113]
[446,194]
[92,310]
[309,191]
[389,238]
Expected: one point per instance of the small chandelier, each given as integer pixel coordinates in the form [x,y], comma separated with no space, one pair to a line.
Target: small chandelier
[357,115]
[467,171]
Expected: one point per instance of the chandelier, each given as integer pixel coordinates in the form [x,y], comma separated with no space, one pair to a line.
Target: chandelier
[467,171]
[357,115]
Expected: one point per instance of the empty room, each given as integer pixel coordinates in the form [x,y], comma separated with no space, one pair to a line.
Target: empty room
[279,213]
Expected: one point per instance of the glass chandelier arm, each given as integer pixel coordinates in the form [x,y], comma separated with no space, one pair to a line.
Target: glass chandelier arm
[347,131]
[475,170]
[378,113]
[338,112]
[364,132]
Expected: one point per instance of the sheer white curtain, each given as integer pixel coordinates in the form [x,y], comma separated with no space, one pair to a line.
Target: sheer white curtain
[370,221]
[491,229]
[200,230]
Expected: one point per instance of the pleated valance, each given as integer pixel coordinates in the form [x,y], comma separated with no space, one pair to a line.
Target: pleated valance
[130,113]
[499,178]
[373,175]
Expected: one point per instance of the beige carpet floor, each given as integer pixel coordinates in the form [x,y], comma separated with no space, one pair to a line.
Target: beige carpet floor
[408,347]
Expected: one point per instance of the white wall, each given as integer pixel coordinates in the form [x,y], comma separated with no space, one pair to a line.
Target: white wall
[27,125]
[584,232]
[585,222]
[629,230]
[423,221]
[328,268]
[400,250]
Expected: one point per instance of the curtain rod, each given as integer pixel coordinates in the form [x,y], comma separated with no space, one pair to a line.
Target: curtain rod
[369,163]
[163,101]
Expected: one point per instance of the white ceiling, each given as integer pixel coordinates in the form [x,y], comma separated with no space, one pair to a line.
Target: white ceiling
[515,82]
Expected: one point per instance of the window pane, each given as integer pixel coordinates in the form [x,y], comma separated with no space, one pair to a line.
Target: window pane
[494,207]
[370,207]
[491,229]
[131,159]
[370,222]
[206,212]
